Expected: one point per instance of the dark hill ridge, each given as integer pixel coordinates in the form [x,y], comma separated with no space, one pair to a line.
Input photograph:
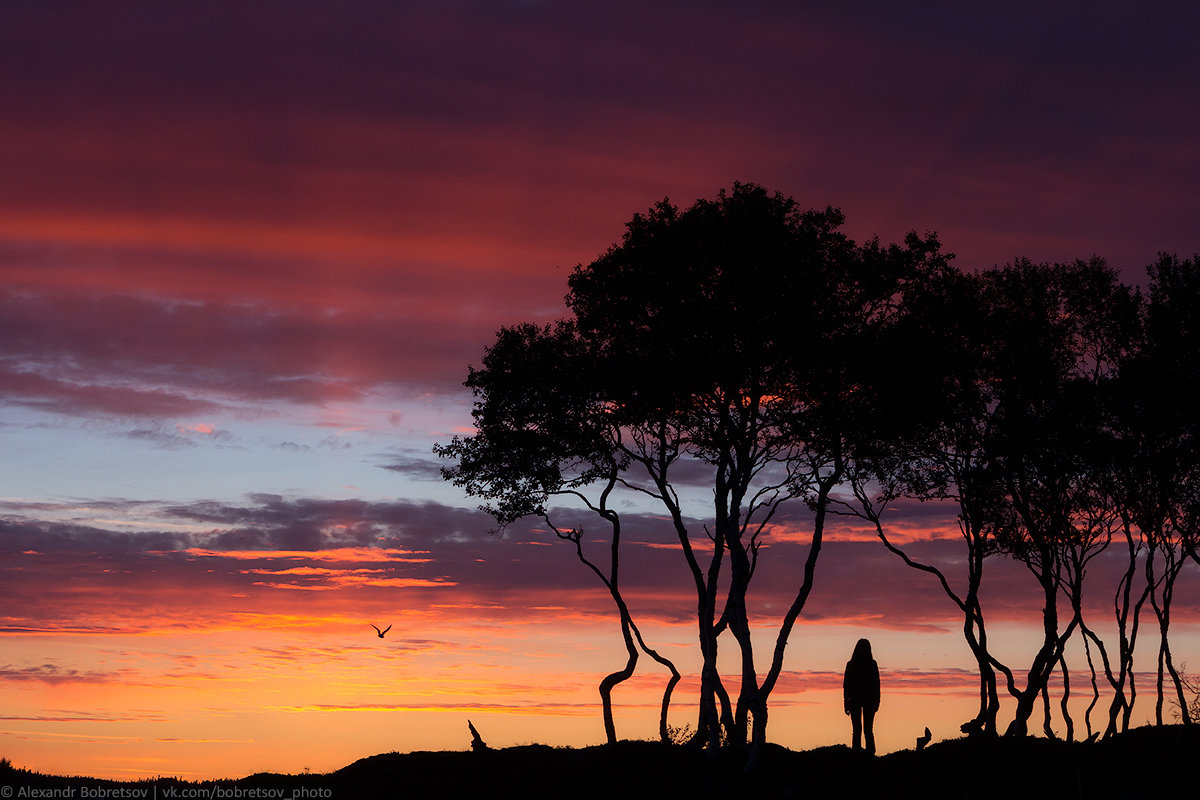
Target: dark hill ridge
[1145,763]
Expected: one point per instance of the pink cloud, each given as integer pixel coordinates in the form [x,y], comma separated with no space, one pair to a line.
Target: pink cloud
[438,562]
[113,354]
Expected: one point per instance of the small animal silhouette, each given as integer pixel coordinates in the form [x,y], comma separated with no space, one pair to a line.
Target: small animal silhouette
[381,632]
[477,743]
[924,740]
[972,728]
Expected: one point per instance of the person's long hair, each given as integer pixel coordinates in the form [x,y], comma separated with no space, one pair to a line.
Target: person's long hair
[862,652]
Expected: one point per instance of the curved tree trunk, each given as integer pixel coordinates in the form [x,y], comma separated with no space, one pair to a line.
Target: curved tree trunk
[1048,654]
[1161,595]
[1127,614]
[1066,696]
[759,733]
[974,630]
[610,681]
[663,732]
[709,719]
[629,630]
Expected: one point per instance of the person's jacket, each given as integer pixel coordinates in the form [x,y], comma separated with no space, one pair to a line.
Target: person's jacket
[860,688]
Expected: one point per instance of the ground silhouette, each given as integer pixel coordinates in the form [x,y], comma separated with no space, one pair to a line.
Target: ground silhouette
[1145,762]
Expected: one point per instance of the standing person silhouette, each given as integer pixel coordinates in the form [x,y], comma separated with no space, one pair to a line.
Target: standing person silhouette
[860,693]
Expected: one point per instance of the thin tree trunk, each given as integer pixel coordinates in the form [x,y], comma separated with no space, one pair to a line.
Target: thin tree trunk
[709,721]
[606,685]
[663,729]
[629,630]
[1047,727]
[974,630]
[1047,655]
[798,602]
[1127,614]
[1174,566]
[1066,696]
[1087,715]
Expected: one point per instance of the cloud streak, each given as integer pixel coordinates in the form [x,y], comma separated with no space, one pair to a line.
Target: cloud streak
[374,557]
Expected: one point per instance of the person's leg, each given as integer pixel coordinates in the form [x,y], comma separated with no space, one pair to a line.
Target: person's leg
[856,721]
[869,729]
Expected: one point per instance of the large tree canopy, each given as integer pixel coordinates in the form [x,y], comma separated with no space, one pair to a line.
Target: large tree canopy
[749,346]
[734,337]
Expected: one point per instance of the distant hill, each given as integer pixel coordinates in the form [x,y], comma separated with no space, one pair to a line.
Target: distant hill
[1146,762]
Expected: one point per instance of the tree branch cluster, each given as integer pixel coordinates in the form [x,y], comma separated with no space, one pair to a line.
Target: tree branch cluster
[754,343]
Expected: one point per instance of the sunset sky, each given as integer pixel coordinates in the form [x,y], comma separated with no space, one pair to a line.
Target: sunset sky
[248,251]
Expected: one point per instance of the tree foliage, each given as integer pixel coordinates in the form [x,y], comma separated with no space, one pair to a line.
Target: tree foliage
[753,342]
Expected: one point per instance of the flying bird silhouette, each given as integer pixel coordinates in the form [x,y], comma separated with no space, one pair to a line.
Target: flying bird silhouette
[381,632]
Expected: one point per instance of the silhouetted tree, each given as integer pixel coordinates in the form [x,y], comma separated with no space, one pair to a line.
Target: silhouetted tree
[689,317]
[734,332]
[935,443]
[542,433]
[1000,417]
[1157,463]
[1058,344]
[730,339]
[750,347]
[1127,606]
[1130,485]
